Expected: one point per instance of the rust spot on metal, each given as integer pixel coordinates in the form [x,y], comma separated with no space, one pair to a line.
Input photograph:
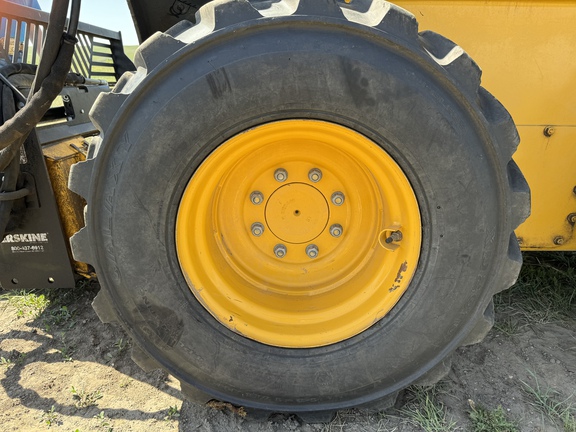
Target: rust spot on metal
[399,276]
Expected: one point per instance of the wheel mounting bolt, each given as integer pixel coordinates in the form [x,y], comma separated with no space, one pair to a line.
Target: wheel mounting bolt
[395,236]
[256,198]
[337,198]
[257,229]
[312,251]
[281,175]
[336,230]
[280,250]
[315,175]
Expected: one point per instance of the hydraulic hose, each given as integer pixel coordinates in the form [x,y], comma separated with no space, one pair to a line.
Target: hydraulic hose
[26,119]
[50,76]
[74,18]
[51,43]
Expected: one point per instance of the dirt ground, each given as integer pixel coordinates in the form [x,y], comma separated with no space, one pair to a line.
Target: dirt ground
[62,369]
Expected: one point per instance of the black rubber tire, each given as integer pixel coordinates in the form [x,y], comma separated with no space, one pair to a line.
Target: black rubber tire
[416,95]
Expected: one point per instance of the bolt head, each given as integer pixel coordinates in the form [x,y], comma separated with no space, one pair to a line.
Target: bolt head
[337,198]
[256,198]
[396,236]
[559,240]
[549,131]
[280,251]
[315,175]
[281,175]
[336,230]
[312,251]
[257,229]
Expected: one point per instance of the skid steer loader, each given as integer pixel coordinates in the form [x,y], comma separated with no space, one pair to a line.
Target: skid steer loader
[294,206]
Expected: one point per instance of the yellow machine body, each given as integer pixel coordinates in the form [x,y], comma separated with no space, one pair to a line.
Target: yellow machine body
[526,50]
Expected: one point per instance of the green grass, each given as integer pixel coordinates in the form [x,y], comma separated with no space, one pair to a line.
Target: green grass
[173,413]
[28,304]
[84,399]
[356,420]
[119,348]
[17,359]
[545,292]
[426,411]
[484,420]
[559,410]
[50,418]
[66,349]
[104,422]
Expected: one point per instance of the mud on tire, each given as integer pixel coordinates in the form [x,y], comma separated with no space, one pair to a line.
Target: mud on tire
[361,65]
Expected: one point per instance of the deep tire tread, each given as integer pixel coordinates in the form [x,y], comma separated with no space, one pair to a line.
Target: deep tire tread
[512,265]
[80,244]
[80,177]
[520,194]
[454,60]
[501,124]
[146,363]
[193,394]
[156,50]
[105,108]
[102,305]
[435,374]
[482,328]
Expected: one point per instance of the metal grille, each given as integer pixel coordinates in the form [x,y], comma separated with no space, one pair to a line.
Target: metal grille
[22,33]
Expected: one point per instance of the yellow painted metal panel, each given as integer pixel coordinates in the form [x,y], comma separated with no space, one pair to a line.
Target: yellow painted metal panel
[548,164]
[526,50]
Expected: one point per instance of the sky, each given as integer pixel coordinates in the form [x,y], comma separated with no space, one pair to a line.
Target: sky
[110,14]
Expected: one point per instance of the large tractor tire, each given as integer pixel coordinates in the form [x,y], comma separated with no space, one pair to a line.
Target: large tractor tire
[301,206]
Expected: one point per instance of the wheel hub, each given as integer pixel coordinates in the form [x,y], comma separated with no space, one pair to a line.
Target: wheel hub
[297,213]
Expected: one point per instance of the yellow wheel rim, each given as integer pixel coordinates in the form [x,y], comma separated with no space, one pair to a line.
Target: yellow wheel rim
[298,233]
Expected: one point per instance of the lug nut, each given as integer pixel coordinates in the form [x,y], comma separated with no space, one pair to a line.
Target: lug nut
[280,250]
[256,198]
[337,198]
[395,236]
[312,251]
[571,218]
[257,229]
[336,230]
[315,175]
[281,175]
